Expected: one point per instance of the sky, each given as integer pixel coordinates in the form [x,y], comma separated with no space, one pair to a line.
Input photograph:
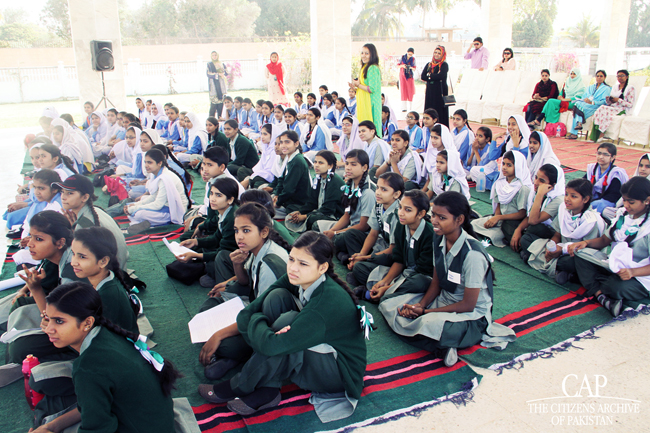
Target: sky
[569,11]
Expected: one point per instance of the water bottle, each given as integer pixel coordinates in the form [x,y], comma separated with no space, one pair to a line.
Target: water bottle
[480,181]
[551,246]
[33,397]
[558,131]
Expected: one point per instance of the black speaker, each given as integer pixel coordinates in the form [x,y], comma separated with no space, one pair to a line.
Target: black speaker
[102,55]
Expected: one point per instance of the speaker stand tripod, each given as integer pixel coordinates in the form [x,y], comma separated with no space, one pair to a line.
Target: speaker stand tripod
[104,98]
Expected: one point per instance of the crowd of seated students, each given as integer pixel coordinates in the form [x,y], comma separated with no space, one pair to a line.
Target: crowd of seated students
[280,203]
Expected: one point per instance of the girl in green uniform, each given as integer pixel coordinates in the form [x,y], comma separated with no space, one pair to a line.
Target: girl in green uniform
[358,200]
[120,385]
[324,198]
[223,200]
[304,328]
[259,261]
[378,246]
[292,186]
[456,310]
[412,257]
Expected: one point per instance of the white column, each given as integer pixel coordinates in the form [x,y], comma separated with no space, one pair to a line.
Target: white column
[331,45]
[498,15]
[97,20]
[613,35]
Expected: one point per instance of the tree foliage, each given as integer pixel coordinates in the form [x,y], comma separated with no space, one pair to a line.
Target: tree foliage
[533,22]
[380,18]
[585,33]
[282,17]
[13,15]
[638,29]
[56,18]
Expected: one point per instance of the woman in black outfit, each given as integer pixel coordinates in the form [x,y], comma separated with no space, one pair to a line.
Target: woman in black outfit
[435,75]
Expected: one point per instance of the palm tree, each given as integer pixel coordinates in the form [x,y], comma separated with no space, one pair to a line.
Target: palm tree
[585,33]
[379,18]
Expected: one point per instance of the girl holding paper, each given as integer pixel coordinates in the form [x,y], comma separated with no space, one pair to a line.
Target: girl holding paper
[628,273]
[247,272]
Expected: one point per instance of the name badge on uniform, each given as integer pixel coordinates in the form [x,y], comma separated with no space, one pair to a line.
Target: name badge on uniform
[387,227]
[454,277]
[347,209]
[412,244]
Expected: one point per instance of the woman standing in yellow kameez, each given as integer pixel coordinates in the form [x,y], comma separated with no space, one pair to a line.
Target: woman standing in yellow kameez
[368,87]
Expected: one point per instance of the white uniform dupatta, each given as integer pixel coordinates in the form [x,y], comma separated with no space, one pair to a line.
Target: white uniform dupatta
[524,131]
[460,137]
[431,153]
[346,143]
[593,170]
[269,159]
[544,155]
[636,172]
[455,173]
[103,123]
[51,112]
[125,153]
[558,190]
[161,113]
[196,131]
[507,191]
[319,125]
[69,145]
[393,116]
[176,209]
[579,226]
[155,139]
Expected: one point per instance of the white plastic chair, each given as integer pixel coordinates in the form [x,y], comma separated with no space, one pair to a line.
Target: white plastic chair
[505,95]
[637,128]
[524,92]
[490,93]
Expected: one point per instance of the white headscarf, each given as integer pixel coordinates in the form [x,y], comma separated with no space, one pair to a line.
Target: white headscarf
[161,112]
[507,191]
[393,116]
[346,143]
[544,155]
[51,112]
[196,131]
[103,123]
[69,145]
[432,152]
[524,130]
[154,135]
[269,159]
[455,173]
[636,172]
[122,150]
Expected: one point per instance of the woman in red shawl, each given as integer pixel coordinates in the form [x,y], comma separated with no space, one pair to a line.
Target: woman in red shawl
[544,90]
[435,75]
[275,77]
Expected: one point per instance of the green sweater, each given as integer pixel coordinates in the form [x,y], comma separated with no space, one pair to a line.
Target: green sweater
[422,248]
[292,188]
[116,304]
[332,205]
[118,390]
[219,139]
[329,317]
[245,152]
[222,239]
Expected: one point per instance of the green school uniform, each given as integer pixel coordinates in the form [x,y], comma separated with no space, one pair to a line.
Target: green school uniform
[328,317]
[325,198]
[245,153]
[116,303]
[117,389]
[86,219]
[292,188]
[222,239]
[219,139]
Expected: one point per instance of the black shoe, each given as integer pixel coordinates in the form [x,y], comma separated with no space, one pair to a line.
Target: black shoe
[260,399]
[219,393]
[562,277]
[15,234]
[359,292]
[351,279]
[615,306]
[343,258]
[218,368]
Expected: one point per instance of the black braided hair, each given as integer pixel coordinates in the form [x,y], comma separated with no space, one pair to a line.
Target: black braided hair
[259,216]
[637,188]
[627,81]
[54,224]
[330,159]
[463,115]
[421,202]
[159,154]
[49,177]
[81,301]
[457,205]
[259,196]
[56,152]
[349,199]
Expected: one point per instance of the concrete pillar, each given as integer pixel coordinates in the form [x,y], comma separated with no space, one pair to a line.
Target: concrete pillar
[613,35]
[498,16]
[97,20]
[331,45]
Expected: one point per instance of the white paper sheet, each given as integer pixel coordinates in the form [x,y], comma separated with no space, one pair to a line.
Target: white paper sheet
[10,336]
[10,283]
[176,248]
[204,324]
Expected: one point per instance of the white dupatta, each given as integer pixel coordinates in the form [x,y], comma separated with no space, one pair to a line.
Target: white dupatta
[544,155]
[507,191]
[524,131]
[269,159]
[346,143]
[196,131]
[176,208]
[579,226]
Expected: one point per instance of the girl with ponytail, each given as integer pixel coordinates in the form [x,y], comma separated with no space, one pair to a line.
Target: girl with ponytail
[119,384]
[350,231]
[77,198]
[325,196]
[627,276]
[282,334]
[51,158]
[167,200]
[247,272]
[461,285]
